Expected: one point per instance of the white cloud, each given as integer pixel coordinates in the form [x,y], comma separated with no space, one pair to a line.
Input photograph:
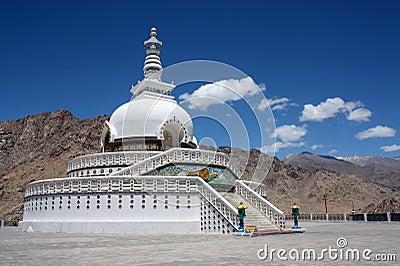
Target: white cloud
[290,133]
[275,101]
[324,110]
[376,132]
[331,107]
[262,86]
[391,148]
[280,145]
[184,96]
[221,91]
[333,151]
[275,104]
[279,107]
[316,146]
[289,136]
[263,105]
[359,115]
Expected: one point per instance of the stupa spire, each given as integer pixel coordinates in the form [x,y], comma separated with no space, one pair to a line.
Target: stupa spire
[152,65]
[152,69]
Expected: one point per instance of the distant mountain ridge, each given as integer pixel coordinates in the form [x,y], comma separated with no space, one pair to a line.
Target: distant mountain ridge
[380,170]
[393,162]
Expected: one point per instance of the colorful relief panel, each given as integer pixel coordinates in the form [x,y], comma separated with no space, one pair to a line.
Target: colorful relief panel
[211,174]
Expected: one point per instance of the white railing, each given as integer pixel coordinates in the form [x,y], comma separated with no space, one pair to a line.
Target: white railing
[104,184]
[224,207]
[109,158]
[266,207]
[345,217]
[175,155]
[261,189]
[333,217]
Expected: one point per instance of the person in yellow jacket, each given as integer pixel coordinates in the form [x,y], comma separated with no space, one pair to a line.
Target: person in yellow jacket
[241,214]
[295,214]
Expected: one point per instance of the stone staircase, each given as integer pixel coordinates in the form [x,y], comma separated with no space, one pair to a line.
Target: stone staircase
[253,215]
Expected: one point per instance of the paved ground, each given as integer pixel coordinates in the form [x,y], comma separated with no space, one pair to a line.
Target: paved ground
[20,248]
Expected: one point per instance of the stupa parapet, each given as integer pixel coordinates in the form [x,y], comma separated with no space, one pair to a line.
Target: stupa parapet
[152,85]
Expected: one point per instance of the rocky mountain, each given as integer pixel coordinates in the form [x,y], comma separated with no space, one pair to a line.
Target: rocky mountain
[45,135]
[383,171]
[39,147]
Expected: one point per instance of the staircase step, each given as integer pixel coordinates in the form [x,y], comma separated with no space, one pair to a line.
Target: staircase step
[253,215]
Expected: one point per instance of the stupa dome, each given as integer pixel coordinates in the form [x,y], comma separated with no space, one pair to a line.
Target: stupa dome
[151,116]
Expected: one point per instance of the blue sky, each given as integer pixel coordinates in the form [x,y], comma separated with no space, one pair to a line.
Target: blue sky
[337,63]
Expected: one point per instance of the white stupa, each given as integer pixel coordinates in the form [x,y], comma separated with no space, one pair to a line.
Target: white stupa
[150,177]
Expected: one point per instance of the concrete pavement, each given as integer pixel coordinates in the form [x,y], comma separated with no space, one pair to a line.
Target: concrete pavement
[22,248]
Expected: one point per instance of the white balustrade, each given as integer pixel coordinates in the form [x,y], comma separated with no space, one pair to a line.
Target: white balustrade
[114,184]
[228,211]
[266,207]
[257,187]
[109,158]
